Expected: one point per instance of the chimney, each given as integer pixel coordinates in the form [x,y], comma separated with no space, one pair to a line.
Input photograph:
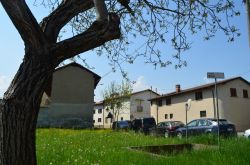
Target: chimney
[177,88]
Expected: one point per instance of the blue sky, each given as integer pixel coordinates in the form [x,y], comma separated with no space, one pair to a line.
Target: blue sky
[205,56]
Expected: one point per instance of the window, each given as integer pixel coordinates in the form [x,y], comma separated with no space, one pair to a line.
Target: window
[99,120]
[233,92]
[203,114]
[159,125]
[168,101]
[166,116]
[159,103]
[93,121]
[198,95]
[121,118]
[171,116]
[93,111]
[99,110]
[245,93]
[139,108]
[202,123]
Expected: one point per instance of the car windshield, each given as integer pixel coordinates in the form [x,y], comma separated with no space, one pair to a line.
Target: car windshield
[192,123]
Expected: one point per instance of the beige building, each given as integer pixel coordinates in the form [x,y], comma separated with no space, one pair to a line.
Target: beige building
[68,99]
[233,103]
[135,106]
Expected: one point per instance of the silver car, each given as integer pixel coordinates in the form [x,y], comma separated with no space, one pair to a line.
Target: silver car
[247,134]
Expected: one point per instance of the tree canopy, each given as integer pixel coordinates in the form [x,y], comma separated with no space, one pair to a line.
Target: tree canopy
[158,23]
[115,96]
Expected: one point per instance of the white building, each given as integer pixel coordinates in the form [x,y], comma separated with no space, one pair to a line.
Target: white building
[135,106]
[233,102]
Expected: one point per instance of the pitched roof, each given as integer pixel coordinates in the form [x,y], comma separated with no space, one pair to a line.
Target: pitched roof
[74,64]
[99,103]
[205,86]
[146,90]
[96,76]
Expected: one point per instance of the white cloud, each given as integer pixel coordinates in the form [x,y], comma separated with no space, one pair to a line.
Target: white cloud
[140,84]
[4,83]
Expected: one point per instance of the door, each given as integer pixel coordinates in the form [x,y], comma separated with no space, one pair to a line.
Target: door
[160,128]
[192,127]
[202,126]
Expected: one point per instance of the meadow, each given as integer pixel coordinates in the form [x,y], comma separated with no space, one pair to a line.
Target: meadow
[101,147]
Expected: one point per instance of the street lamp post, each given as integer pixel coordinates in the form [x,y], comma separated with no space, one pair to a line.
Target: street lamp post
[187,107]
[216,75]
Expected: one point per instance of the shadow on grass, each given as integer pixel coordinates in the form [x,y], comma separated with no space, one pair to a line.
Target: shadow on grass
[172,149]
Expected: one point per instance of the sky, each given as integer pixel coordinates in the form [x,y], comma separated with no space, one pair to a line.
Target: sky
[215,55]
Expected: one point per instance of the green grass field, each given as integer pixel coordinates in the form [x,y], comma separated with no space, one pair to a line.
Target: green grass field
[97,147]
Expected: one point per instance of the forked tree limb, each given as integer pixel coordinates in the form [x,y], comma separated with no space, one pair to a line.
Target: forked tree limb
[53,23]
[25,23]
[97,34]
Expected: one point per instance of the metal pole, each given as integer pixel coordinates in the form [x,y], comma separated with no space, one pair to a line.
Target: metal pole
[218,117]
[103,117]
[186,106]
[214,103]
[157,109]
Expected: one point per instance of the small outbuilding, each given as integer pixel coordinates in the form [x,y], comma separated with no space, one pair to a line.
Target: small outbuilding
[68,99]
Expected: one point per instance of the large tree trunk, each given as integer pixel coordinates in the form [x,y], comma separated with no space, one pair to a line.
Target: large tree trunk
[21,102]
[19,111]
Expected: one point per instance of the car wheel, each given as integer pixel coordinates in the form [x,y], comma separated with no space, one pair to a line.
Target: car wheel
[166,134]
[179,135]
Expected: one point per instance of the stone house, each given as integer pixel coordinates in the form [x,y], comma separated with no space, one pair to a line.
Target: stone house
[68,99]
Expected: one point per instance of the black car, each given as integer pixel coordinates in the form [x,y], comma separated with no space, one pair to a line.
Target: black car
[207,126]
[120,125]
[166,128]
[143,124]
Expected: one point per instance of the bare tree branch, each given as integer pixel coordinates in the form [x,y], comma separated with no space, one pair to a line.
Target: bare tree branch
[153,7]
[24,22]
[52,24]
[97,34]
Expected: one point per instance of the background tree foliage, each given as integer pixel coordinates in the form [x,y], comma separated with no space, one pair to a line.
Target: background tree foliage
[115,97]
[159,23]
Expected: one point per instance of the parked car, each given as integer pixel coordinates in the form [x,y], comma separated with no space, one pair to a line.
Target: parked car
[75,123]
[166,128]
[247,134]
[143,124]
[207,126]
[129,124]
[120,125]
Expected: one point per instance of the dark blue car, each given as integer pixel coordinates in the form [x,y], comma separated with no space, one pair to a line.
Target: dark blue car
[120,125]
[207,126]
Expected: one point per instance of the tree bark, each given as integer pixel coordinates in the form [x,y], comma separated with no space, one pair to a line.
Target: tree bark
[21,103]
[20,108]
